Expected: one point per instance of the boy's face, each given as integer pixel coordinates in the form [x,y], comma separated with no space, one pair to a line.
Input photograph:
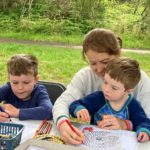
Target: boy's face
[113,90]
[22,86]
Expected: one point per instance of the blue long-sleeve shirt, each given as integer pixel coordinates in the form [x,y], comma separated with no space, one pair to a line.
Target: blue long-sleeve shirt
[97,105]
[38,107]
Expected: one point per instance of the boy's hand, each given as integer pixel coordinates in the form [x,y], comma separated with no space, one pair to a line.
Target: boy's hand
[11,110]
[111,122]
[4,117]
[143,137]
[83,115]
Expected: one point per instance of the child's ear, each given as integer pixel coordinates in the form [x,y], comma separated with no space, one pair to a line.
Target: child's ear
[37,78]
[129,90]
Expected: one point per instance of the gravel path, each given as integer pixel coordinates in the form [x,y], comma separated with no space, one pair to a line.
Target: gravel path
[56,44]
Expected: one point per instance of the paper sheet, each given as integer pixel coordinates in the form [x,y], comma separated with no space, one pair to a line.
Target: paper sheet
[99,139]
[34,148]
[30,127]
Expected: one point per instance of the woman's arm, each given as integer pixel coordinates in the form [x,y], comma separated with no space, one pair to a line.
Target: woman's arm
[142,93]
[84,82]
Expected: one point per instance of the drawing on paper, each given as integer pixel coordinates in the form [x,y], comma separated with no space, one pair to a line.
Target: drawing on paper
[100,139]
[97,139]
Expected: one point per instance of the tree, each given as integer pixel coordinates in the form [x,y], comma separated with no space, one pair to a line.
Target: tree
[145,19]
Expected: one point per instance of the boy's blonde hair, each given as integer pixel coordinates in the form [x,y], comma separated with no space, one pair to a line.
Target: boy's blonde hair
[124,70]
[22,64]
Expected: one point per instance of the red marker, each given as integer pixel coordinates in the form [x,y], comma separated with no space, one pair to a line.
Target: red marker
[71,127]
[69,124]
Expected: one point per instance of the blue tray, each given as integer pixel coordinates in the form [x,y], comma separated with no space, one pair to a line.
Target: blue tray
[14,132]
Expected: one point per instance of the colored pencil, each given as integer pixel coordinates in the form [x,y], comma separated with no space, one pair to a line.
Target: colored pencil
[69,124]
[39,128]
[49,128]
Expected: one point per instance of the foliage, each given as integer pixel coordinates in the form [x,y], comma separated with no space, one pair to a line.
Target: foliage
[69,17]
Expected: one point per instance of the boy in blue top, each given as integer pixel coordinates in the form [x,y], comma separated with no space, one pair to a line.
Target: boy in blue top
[24,99]
[122,75]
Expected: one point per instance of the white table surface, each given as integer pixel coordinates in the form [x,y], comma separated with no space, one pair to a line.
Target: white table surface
[32,125]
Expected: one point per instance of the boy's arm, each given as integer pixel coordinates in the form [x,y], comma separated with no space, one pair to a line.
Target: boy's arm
[141,123]
[42,107]
[75,107]
[4,91]
[90,102]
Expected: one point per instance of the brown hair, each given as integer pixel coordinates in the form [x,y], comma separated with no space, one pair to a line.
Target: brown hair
[125,70]
[22,64]
[102,41]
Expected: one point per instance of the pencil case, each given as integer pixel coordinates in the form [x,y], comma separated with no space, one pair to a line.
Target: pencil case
[10,135]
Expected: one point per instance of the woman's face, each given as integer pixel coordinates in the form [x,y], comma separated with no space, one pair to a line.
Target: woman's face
[98,61]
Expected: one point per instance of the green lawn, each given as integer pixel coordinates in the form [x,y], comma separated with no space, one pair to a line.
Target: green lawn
[129,41]
[56,64]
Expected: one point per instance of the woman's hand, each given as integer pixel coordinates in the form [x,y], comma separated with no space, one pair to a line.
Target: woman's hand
[11,110]
[70,136]
[111,122]
[83,115]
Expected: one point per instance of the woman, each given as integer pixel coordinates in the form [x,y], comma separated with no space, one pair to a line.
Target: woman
[99,47]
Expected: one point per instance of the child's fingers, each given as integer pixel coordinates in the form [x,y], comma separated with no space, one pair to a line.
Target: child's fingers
[87,116]
[4,117]
[143,137]
[107,116]
[83,115]
[79,116]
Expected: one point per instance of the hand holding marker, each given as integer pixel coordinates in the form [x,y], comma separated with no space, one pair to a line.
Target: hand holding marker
[2,109]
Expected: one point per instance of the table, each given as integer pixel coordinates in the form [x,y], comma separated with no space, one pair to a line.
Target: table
[32,125]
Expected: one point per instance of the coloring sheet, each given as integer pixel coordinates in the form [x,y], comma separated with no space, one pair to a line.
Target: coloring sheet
[99,139]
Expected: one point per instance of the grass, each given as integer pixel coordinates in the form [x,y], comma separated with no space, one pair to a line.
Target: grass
[71,39]
[129,41]
[56,64]
[136,43]
[143,60]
